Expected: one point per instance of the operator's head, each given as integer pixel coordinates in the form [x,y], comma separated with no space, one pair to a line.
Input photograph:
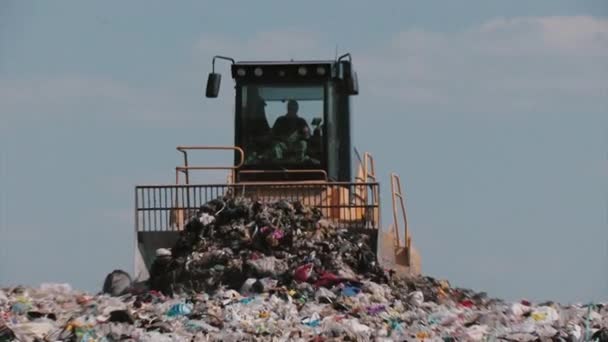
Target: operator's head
[292,107]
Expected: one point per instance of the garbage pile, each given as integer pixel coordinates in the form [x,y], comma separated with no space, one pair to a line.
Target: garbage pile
[245,245]
[245,271]
[368,312]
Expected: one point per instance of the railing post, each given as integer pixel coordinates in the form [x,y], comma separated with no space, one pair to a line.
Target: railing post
[397,193]
[136,212]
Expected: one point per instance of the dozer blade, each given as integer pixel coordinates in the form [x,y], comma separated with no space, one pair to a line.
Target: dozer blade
[162,210]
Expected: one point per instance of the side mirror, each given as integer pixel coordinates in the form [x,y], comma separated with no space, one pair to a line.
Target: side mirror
[350,76]
[213,85]
[352,84]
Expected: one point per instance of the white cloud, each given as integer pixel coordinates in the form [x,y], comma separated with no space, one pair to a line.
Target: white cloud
[503,66]
[508,67]
[518,65]
[277,45]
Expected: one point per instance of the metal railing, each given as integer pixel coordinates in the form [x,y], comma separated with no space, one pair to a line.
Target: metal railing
[168,207]
[319,172]
[398,201]
[186,167]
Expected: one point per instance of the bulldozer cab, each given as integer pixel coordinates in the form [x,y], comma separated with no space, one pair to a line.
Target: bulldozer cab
[292,141]
[292,119]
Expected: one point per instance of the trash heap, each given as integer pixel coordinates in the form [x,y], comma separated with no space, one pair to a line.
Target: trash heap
[245,271]
[371,312]
[245,245]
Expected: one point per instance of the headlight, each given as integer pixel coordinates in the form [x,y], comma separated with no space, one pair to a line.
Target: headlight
[302,71]
[241,72]
[258,72]
[320,71]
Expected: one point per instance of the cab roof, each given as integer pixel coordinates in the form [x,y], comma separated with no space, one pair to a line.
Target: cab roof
[290,62]
[286,71]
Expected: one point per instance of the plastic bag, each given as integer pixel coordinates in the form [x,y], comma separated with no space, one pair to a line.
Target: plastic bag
[264,285]
[3,297]
[324,295]
[476,332]
[246,288]
[518,309]
[206,219]
[117,283]
[379,293]
[574,330]
[303,273]
[180,309]
[63,288]
[27,331]
[545,315]
[267,266]
[21,308]
[416,298]
[351,291]
[357,330]
[163,252]
[195,326]
[312,321]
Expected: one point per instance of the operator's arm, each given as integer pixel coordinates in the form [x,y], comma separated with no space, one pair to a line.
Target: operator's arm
[278,127]
[304,129]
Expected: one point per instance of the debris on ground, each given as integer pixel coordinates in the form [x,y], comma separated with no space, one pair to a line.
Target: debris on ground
[245,271]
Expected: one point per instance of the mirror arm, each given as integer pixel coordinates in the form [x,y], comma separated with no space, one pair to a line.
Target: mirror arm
[350,60]
[220,57]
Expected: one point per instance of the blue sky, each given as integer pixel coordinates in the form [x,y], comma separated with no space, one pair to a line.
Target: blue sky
[492,112]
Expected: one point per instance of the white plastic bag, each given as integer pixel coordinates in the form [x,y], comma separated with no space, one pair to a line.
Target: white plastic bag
[476,332]
[31,330]
[416,298]
[545,315]
[56,288]
[206,219]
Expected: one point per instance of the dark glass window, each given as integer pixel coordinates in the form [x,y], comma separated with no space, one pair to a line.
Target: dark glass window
[281,126]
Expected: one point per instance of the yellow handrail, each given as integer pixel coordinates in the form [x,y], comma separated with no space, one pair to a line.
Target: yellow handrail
[397,194]
[366,173]
[186,168]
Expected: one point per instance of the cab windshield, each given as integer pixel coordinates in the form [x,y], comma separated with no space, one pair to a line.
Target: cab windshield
[282,125]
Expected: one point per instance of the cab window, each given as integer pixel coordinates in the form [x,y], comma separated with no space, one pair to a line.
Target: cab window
[282,125]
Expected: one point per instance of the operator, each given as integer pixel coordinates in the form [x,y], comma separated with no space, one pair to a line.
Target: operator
[290,123]
[292,132]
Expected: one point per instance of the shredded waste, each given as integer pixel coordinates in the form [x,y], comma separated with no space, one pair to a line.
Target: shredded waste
[242,270]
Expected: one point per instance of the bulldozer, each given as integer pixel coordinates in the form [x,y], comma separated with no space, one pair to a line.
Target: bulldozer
[305,155]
